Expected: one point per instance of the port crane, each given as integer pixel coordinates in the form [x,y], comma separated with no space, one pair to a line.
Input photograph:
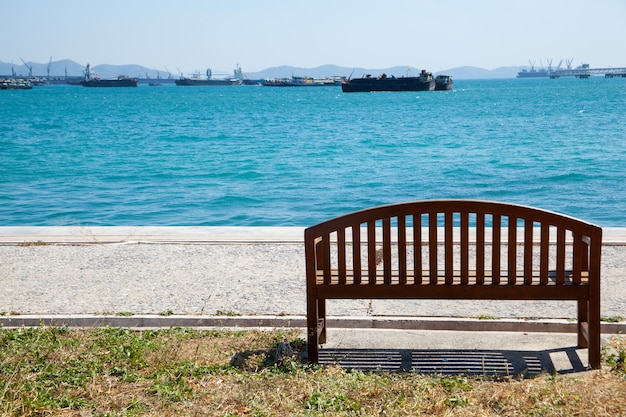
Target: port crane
[30,68]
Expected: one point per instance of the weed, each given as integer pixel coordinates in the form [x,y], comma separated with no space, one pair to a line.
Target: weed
[228,313]
[457,401]
[455,383]
[615,355]
[337,402]
[612,319]
[37,243]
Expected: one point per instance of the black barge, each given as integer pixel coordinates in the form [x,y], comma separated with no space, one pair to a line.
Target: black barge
[425,82]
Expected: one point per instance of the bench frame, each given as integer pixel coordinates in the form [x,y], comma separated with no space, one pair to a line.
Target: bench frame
[465,254]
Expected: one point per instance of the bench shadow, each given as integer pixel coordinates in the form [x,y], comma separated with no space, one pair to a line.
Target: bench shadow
[503,363]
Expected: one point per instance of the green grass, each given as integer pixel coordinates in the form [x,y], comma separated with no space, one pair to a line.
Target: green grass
[612,319]
[228,313]
[51,371]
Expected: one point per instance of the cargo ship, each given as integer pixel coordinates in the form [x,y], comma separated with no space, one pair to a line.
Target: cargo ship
[302,82]
[425,82]
[533,73]
[92,80]
[536,73]
[15,84]
[197,79]
[443,82]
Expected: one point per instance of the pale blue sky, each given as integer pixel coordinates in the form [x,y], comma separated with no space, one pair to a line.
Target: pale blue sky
[189,35]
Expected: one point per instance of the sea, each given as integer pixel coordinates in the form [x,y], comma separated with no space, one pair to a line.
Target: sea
[270,156]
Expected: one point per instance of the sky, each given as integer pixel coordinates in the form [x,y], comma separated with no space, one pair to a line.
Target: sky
[191,35]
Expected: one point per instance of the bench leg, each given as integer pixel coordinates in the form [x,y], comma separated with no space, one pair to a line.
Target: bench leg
[312,318]
[589,330]
[316,326]
[583,319]
[321,311]
[594,332]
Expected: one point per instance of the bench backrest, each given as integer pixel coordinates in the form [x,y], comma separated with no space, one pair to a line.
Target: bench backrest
[464,242]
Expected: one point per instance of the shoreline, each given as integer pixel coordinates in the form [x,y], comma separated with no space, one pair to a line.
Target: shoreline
[153,234]
[13,235]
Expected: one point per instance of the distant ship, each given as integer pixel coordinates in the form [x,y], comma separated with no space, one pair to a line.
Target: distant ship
[92,80]
[197,79]
[533,73]
[15,84]
[443,82]
[302,82]
[425,82]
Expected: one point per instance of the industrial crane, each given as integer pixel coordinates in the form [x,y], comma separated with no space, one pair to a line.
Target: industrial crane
[30,68]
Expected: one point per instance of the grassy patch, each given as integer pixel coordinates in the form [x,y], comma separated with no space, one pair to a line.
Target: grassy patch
[227,313]
[33,243]
[168,312]
[612,319]
[615,354]
[179,372]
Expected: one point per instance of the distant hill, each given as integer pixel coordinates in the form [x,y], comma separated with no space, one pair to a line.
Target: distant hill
[113,71]
[57,68]
[71,68]
[334,70]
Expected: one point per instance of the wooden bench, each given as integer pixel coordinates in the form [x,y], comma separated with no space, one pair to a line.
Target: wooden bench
[467,250]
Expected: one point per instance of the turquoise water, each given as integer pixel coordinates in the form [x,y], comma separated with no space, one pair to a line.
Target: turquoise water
[278,156]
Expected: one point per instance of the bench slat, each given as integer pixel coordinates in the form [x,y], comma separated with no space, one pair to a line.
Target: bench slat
[387,249]
[512,249]
[579,254]
[371,251]
[544,253]
[402,248]
[464,224]
[417,245]
[471,279]
[457,292]
[341,255]
[449,260]
[560,255]
[495,247]
[356,252]
[480,248]
[432,246]
[324,257]
[528,250]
